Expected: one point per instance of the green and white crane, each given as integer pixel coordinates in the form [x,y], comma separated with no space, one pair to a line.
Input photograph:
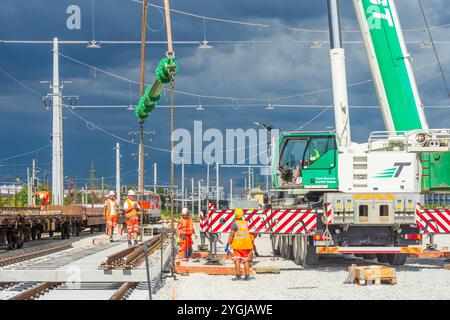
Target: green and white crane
[366,192]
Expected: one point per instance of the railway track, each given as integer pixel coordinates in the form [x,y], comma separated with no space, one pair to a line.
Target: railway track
[128,258]
[33,255]
[132,257]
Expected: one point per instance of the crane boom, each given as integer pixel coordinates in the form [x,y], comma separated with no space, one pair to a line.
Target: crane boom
[339,77]
[390,64]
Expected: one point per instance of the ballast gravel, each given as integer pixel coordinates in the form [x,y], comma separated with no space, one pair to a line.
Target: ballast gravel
[417,279]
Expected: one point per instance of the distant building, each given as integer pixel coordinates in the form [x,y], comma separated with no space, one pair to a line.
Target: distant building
[12,188]
[256,194]
[212,194]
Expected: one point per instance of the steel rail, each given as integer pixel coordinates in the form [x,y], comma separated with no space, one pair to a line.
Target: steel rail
[29,256]
[35,291]
[134,259]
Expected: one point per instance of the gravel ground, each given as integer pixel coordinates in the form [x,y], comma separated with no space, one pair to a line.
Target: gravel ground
[418,279]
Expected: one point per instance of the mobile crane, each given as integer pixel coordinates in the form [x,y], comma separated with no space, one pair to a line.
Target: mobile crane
[332,195]
[365,195]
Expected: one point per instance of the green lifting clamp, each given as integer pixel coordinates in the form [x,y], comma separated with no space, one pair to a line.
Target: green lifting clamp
[164,73]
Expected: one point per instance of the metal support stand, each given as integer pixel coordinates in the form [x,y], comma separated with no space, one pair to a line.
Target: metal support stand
[203,246]
[148,271]
[213,258]
[162,254]
[431,245]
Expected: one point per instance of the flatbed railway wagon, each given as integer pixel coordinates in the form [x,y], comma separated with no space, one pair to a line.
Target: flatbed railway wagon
[18,225]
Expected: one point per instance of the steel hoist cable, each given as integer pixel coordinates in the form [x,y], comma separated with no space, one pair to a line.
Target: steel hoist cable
[172,71]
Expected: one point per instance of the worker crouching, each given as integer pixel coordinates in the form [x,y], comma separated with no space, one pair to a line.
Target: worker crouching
[185,231]
[241,244]
[132,207]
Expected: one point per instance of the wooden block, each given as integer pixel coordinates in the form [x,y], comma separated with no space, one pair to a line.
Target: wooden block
[368,275]
[186,268]
[446,266]
[268,269]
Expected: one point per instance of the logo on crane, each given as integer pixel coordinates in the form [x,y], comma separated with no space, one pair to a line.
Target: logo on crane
[393,172]
[375,14]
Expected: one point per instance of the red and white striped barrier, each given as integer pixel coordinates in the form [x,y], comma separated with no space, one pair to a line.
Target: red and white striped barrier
[202,221]
[275,221]
[328,212]
[433,220]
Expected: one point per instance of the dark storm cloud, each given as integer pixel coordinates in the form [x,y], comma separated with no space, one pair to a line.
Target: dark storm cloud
[255,71]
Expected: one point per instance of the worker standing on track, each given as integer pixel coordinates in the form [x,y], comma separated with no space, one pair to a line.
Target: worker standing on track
[110,210]
[132,208]
[241,243]
[185,230]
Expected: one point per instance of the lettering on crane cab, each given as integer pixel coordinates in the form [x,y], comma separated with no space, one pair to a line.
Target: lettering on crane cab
[377,11]
[393,172]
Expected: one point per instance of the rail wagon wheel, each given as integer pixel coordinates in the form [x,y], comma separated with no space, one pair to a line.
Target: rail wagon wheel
[308,256]
[397,259]
[275,240]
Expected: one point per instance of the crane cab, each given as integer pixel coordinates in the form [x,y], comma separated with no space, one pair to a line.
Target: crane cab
[306,160]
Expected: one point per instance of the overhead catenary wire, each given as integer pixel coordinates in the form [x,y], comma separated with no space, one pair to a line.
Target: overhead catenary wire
[216,97]
[434,47]
[25,153]
[20,82]
[269,26]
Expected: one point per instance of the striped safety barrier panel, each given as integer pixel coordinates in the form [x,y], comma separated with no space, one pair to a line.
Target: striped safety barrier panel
[362,250]
[433,220]
[277,221]
[328,212]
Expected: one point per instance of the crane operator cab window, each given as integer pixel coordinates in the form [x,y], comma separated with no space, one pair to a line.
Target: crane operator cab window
[291,161]
[307,161]
[317,146]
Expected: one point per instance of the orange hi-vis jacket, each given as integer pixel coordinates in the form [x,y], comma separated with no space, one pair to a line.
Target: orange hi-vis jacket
[185,226]
[46,196]
[108,208]
[242,240]
[131,212]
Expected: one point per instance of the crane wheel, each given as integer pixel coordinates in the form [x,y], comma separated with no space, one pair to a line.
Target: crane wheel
[275,244]
[369,256]
[397,259]
[306,254]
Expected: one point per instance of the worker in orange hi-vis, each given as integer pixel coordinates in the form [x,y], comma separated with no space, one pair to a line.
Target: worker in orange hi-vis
[44,196]
[131,207]
[241,243]
[185,231]
[111,209]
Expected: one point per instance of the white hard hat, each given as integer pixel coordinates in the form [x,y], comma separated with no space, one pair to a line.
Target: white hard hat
[185,211]
[131,192]
[111,193]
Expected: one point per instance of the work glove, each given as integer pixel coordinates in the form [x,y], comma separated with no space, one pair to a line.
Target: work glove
[177,240]
[227,249]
